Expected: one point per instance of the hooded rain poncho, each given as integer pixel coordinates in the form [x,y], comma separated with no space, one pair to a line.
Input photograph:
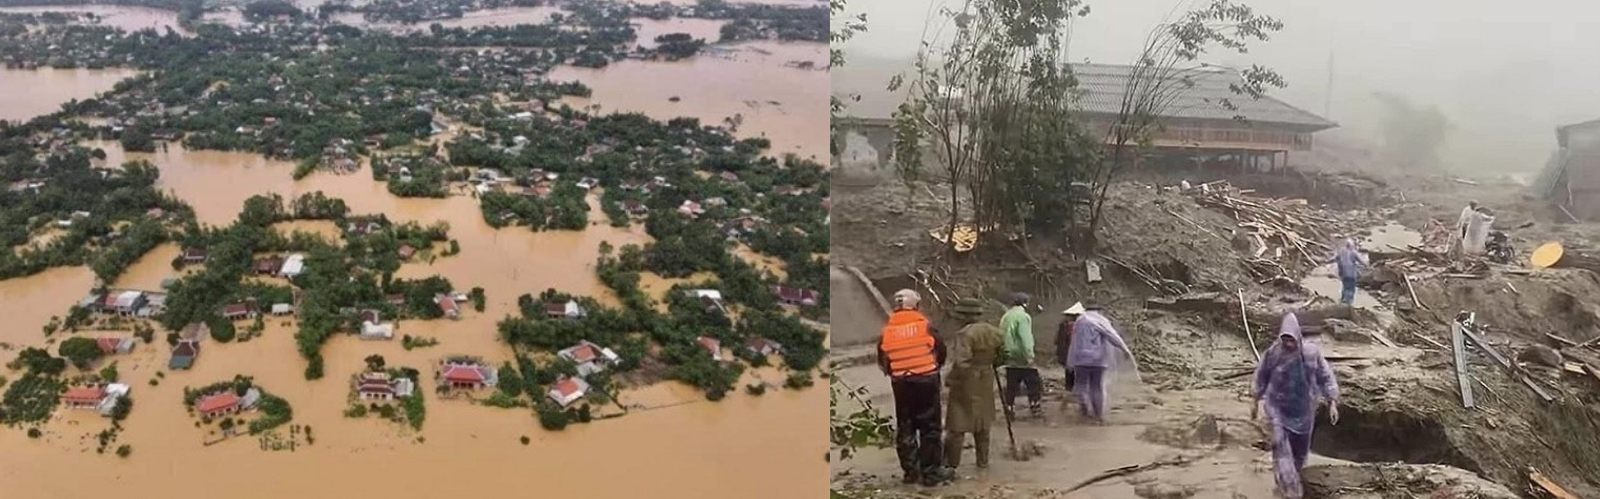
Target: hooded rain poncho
[1095,343]
[1291,382]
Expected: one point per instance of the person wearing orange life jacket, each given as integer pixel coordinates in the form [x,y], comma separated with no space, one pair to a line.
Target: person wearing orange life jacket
[910,353]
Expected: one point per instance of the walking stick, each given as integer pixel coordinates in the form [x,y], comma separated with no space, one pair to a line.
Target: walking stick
[1016,453]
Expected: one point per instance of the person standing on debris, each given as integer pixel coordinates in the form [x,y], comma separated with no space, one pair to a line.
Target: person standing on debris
[1064,339]
[1018,327]
[1349,262]
[1460,234]
[910,353]
[973,356]
[1478,231]
[1290,382]
[1090,356]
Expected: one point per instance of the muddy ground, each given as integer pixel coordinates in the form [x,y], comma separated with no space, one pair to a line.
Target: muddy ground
[1404,432]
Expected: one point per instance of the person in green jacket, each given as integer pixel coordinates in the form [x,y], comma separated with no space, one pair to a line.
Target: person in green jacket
[1017,325]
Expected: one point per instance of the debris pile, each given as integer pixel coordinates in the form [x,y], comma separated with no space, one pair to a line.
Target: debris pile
[1279,231]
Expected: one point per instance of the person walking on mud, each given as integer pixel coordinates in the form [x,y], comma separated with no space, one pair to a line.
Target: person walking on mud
[1095,345]
[1020,371]
[1064,342]
[910,353]
[1291,380]
[1349,263]
[974,353]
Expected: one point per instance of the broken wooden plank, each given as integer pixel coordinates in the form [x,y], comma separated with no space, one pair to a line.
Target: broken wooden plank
[1246,318]
[1457,334]
[1561,340]
[1549,486]
[1383,339]
[1574,368]
[1462,276]
[1413,291]
[1592,370]
[1504,361]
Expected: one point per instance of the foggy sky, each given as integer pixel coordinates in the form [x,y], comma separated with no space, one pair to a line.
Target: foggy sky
[1504,73]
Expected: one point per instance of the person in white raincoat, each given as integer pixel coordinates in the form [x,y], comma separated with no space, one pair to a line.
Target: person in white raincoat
[1459,235]
[1478,231]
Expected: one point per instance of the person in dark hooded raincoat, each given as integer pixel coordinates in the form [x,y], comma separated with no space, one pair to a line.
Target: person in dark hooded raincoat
[973,356]
[1290,382]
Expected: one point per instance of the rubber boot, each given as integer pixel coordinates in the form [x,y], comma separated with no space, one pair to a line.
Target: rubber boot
[1036,409]
[952,448]
[937,476]
[980,444]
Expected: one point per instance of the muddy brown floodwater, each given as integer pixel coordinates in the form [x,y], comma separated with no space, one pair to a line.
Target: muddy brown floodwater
[750,81]
[127,18]
[684,450]
[49,88]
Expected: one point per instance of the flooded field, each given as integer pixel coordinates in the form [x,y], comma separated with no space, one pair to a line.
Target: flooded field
[125,17]
[704,436]
[50,88]
[748,84]
[478,447]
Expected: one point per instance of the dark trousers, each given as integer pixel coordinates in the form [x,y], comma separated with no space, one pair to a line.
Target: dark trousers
[918,423]
[1027,376]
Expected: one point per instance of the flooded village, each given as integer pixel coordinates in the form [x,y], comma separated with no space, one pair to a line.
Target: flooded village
[565,241]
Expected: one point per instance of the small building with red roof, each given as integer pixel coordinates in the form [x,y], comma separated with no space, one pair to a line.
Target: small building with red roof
[567,391]
[113,345]
[83,397]
[449,306]
[712,346]
[466,374]
[217,404]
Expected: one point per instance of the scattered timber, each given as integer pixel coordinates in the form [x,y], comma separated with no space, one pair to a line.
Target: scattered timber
[1127,470]
[1284,225]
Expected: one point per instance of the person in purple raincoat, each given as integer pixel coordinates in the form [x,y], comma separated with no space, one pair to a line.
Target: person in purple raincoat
[1290,382]
[1094,349]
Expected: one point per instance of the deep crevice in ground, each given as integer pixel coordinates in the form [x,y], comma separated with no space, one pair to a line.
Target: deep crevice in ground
[1387,436]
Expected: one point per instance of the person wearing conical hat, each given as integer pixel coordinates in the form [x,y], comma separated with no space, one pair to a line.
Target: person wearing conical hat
[974,353]
[1064,338]
[910,353]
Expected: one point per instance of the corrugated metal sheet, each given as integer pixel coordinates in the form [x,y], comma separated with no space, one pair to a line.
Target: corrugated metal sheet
[1550,176]
[1101,88]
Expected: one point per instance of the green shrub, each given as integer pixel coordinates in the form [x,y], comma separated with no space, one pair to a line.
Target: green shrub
[124,450]
[525,440]
[34,433]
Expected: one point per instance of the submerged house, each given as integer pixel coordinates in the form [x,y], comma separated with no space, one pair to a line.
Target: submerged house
[380,387]
[567,391]
[112,345]
[184,354]
[1570,179]
[589,357]
[466,374]
[83,397]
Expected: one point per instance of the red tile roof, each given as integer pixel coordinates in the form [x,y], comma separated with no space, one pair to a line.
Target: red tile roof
[218,402]
[567,387]
[84,395]
[447,304]
[235,309]
[711,344]
[464,374]
[108,344]
[585,353]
